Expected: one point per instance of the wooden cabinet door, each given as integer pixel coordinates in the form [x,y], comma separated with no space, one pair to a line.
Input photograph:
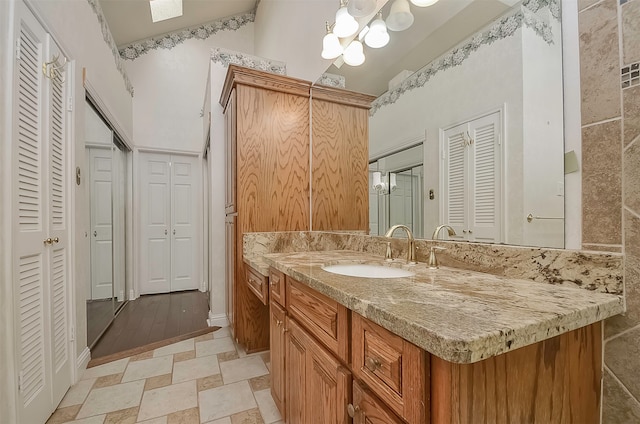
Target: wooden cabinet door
[367,409]
[318,387]
[277,356]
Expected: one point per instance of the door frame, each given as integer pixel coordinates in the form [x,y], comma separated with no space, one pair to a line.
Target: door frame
[138,156]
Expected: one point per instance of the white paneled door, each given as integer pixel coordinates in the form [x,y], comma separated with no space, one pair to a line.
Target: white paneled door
[100,170]
[169,199]
[41,223]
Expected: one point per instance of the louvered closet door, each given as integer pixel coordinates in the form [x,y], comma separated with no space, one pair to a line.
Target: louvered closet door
[485,179]
[453,178]
[41,225]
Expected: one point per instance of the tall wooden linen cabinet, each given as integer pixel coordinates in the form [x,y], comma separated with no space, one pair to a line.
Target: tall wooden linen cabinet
[297,160]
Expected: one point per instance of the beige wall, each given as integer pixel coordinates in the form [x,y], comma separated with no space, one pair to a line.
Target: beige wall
[609,43]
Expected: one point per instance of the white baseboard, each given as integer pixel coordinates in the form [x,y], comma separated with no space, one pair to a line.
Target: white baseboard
[217,320]
[81,362]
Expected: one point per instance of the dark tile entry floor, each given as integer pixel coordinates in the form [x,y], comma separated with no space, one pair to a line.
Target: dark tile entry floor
[152,318]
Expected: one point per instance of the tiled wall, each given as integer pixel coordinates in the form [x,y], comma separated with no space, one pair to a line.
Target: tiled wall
[610,84]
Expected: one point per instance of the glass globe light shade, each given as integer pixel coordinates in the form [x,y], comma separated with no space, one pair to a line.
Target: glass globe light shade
[331,47]
[377,36]
[423,3]
[354,54]
[400,17]
[361,8]
[345,25]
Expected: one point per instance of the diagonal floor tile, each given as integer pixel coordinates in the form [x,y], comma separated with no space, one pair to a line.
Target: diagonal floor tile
[77,393]
[243,369]
[112,398]
[195,368]
[211,347]
[225,400]
[114,367]
[146,368]
[267,406]
[183,346]
[165,400]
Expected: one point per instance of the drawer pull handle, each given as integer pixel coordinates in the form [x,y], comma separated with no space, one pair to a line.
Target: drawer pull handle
[352,410]
[372,364]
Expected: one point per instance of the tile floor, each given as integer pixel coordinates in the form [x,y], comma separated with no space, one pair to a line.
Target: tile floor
[207,379]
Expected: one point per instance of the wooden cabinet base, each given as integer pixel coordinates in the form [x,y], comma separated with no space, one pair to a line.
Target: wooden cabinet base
[556,381]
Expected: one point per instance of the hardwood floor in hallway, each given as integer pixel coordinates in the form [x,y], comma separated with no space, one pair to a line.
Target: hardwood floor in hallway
[154,318]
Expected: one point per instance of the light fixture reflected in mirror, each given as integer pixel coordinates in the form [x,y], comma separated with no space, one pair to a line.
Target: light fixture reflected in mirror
[331,47]
[354,54]
[345,25]
[400,17]
[423,3]
[377,36]
[384,184]
[361,8]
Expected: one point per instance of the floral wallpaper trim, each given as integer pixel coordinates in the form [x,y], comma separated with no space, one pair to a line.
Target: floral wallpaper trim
[535,5]
[227,57]
[108,38]
[502,28]
[169,41]
[331,80]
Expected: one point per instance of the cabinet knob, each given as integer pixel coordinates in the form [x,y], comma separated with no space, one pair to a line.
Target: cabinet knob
[48,240]
[352,410]
[372,364]
[165,232]
[464,231]
[470,231]
[55,239]
[95,233]
[278,322]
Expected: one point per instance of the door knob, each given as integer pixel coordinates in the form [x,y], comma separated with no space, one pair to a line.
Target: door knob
[352,410]
[95,233]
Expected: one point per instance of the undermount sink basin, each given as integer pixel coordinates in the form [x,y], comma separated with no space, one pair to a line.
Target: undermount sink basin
[368,271]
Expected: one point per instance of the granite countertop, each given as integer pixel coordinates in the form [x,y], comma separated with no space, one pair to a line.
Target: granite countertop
[461,316]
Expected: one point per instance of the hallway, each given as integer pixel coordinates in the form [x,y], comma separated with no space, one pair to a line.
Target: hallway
[206,379]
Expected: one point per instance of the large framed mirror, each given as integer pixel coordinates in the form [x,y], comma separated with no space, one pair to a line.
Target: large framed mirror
[479,84]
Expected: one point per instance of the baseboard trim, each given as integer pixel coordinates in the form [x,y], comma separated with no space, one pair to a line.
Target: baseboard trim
[82,361]
[217,320]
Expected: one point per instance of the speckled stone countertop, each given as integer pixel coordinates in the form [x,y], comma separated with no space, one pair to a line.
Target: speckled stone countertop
[461,316]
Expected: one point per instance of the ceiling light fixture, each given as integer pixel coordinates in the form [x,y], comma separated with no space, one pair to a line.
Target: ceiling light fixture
[361,8]
[161,10]
[354,54]
[331,47]
[345,25]
[400,17]
[423,3]
[377,36]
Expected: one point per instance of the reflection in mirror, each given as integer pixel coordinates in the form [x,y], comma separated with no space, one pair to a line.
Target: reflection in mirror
[481,84]
[106,186]
[395,192]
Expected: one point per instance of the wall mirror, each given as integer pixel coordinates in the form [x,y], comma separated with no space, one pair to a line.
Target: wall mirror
[478,85]
[106,183]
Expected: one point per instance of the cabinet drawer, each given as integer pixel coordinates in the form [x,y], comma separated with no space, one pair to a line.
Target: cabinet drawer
[277,286]
[257,284]
[394,369]
[323,317]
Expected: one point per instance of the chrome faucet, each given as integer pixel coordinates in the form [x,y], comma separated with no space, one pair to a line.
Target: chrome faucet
[411,246]
[433,260]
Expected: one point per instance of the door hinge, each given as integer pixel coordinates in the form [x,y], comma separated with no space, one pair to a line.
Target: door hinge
[18,50]
[20,378]
[72,333]
[499,139]
[70,104]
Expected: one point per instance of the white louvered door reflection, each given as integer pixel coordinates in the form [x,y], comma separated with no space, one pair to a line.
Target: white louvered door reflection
[40,225]
[471,179]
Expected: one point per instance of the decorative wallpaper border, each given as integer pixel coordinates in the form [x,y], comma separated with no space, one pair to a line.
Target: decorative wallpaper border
[331,80]
[202,32]
[535,5]
[502,28]
[227,57]
[108,38]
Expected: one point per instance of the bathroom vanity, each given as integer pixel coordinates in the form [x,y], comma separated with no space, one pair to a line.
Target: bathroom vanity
[441,346]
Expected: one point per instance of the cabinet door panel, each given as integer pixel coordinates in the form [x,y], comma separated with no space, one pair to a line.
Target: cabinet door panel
[296,376]
[277,355]
[368,409]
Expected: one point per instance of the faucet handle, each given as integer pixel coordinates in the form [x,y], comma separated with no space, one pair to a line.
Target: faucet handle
[388,256]
[433,260]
